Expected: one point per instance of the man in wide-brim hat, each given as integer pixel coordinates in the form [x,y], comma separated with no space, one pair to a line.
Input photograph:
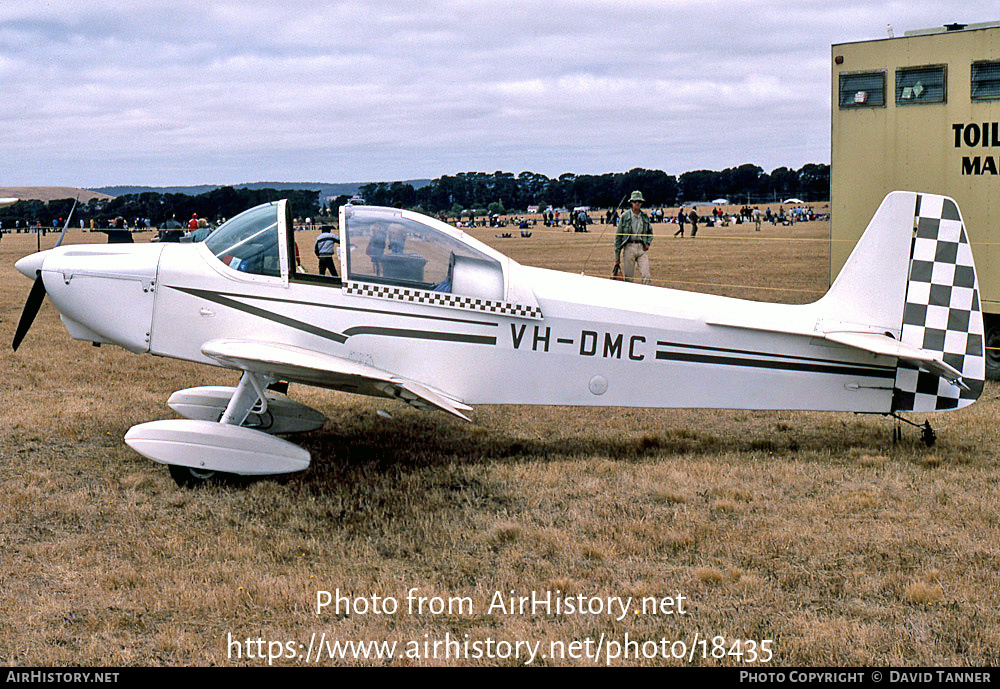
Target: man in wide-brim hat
[635,234]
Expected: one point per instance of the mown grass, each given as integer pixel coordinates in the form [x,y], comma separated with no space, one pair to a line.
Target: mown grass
[810,529]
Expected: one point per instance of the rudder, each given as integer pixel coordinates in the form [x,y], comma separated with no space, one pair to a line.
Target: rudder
[941,313]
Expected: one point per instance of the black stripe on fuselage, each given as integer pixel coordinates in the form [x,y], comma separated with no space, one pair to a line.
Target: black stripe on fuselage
[329,334]
[203,293]
[805,366]
[420,334]
[751,352]
[255,311]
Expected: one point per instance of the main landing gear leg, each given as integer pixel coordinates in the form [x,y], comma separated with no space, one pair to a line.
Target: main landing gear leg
[249,397]
[927,434]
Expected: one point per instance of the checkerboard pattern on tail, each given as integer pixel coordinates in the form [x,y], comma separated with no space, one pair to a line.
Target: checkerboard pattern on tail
[942,312]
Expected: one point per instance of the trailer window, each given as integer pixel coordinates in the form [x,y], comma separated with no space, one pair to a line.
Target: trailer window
[985,80]
[862,90]
[919,85]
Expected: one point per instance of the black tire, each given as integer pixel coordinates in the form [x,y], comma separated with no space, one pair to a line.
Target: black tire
[189,477]
[992,348]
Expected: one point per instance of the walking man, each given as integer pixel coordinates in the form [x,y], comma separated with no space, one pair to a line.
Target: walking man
[325,249]
[634,235]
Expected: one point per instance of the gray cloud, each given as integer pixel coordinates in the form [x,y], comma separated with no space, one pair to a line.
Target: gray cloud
[192,92]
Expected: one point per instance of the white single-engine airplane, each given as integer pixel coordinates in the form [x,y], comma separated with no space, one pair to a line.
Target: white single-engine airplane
[430,316]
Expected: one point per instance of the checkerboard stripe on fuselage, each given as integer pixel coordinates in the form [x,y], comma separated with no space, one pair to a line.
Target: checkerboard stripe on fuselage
[942,312]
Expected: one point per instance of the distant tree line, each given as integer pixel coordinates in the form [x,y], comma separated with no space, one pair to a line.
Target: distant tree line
[498,192]
[224,202]
[507,192]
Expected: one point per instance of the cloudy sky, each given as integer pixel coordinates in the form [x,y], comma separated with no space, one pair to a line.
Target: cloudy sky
[190,92]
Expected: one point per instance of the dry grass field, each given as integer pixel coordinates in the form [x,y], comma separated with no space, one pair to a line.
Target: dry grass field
[812,530]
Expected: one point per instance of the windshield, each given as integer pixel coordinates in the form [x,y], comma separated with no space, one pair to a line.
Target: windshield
[249,242]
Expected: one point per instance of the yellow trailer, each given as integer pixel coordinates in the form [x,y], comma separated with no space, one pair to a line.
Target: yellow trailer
[921,112]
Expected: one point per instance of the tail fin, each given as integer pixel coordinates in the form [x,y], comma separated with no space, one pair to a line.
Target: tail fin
[912,276]
[871,287]
[942,311]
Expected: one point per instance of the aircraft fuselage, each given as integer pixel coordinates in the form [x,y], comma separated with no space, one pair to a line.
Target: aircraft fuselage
[597,342]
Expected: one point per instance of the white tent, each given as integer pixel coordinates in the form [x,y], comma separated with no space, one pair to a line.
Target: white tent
[793,201]
[720,202]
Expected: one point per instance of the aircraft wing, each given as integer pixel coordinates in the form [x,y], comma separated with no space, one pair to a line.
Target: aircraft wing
[298,364]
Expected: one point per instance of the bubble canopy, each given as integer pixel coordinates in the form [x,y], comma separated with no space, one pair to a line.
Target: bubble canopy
[387,246]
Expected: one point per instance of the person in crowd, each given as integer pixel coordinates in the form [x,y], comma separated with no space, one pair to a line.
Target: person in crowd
[632,240]
[325,249]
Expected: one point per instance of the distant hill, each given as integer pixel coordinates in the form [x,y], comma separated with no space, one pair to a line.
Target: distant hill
[126,189]
[50,193]
[325,189]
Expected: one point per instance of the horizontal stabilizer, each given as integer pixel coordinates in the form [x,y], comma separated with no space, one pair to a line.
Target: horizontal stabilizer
[888,346]
[876,343]
[289,362]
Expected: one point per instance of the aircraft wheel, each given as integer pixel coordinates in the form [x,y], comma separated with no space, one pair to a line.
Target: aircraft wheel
[189,477]
[993,348]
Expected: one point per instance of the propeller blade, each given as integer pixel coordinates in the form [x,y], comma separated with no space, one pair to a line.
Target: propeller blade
[31,307]
[62,235]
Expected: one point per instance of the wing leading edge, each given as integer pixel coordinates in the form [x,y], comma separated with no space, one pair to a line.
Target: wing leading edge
[299,364]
